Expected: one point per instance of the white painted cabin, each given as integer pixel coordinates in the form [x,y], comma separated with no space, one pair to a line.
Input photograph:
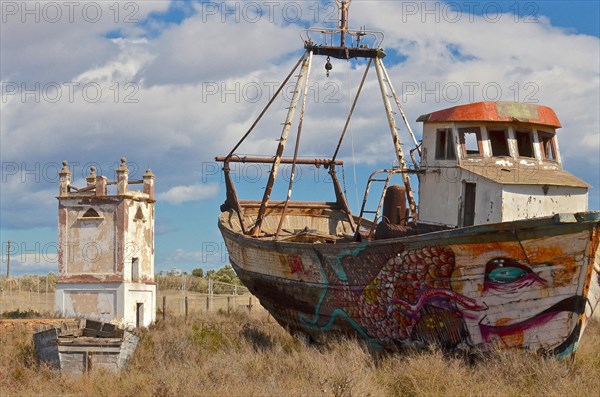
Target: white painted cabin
[490,162]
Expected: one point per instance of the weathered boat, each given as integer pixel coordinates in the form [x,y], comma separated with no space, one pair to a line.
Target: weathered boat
[91,346]
[502,252]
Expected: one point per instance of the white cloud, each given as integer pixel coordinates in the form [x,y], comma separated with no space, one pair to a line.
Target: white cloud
[43,261]
[54,41]
[206,49]
[175,122]
[182,194]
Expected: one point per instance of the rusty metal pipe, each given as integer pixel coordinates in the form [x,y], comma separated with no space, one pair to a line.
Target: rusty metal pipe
[292,204]
[283,160]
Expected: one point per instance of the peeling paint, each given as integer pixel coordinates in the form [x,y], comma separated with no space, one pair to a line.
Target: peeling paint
[104,241]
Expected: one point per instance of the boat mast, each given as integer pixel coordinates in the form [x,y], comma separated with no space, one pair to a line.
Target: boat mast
[383,83]
[343,20]
[360,49]
[302,78]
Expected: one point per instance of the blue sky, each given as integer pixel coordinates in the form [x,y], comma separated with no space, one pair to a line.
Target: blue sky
[180,82]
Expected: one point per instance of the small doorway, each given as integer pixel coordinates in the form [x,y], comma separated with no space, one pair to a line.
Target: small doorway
[469,204]
[139,314]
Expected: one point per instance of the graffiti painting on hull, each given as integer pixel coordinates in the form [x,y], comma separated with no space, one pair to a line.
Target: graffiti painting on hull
[409,295]
[393,295]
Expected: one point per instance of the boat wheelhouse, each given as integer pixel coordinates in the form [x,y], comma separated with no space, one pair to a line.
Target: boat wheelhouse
[490,162]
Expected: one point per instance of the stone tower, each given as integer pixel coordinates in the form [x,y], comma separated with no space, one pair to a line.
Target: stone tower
[106,248]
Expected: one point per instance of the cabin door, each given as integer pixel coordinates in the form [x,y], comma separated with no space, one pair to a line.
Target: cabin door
[469,204]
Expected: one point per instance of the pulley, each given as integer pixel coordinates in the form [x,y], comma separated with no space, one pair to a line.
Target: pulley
[328,66]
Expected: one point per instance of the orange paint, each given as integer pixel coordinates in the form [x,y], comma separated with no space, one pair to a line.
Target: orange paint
[491,250]
[515,339]
[496,111]
[546,252]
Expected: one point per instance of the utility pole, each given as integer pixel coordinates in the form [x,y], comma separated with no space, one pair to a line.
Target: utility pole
[8,260]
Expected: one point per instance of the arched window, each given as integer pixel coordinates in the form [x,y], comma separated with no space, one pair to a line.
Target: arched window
[139,215]
[91,213]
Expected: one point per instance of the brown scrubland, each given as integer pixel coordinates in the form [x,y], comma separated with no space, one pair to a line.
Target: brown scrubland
[242,354]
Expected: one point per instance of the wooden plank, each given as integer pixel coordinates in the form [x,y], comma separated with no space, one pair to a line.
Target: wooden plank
[72,362]
[93,349]
[46,348]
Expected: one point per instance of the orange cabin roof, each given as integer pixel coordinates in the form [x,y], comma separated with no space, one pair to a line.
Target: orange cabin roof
[496,111]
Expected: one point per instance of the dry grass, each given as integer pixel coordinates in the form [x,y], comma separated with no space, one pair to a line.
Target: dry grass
[249,355]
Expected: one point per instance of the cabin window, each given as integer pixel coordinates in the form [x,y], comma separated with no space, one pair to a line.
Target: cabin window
[499,143]
[547,142]
[524,143]
[444,147]
[470,140]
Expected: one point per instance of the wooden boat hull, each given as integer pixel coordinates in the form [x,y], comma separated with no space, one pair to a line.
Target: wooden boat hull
[524,284]
[95,345]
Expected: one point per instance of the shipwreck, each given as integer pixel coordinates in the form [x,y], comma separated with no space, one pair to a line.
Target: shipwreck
[90,346]
[500,251]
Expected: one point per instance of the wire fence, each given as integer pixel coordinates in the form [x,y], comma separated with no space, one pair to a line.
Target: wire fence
[176,295]
[27,293]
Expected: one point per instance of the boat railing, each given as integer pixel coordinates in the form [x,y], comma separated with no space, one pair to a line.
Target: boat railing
[375,177]
[360,38]
[232,201]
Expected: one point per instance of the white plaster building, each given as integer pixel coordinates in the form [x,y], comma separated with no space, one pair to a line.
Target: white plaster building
[491,162]
[106,249]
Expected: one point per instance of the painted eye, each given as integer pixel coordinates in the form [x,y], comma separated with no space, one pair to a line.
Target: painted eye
[505,274]
[508,275]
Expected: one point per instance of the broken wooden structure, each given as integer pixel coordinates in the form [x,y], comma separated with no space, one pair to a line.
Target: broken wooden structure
[92,346]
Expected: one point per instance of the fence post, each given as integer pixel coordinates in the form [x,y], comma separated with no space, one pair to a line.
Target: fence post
[229,304]
[164,307]
[210,294]
[186,308]
[207,303]
[250,305]
[235,292]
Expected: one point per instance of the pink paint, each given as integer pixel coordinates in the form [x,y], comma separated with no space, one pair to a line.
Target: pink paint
[413,310]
